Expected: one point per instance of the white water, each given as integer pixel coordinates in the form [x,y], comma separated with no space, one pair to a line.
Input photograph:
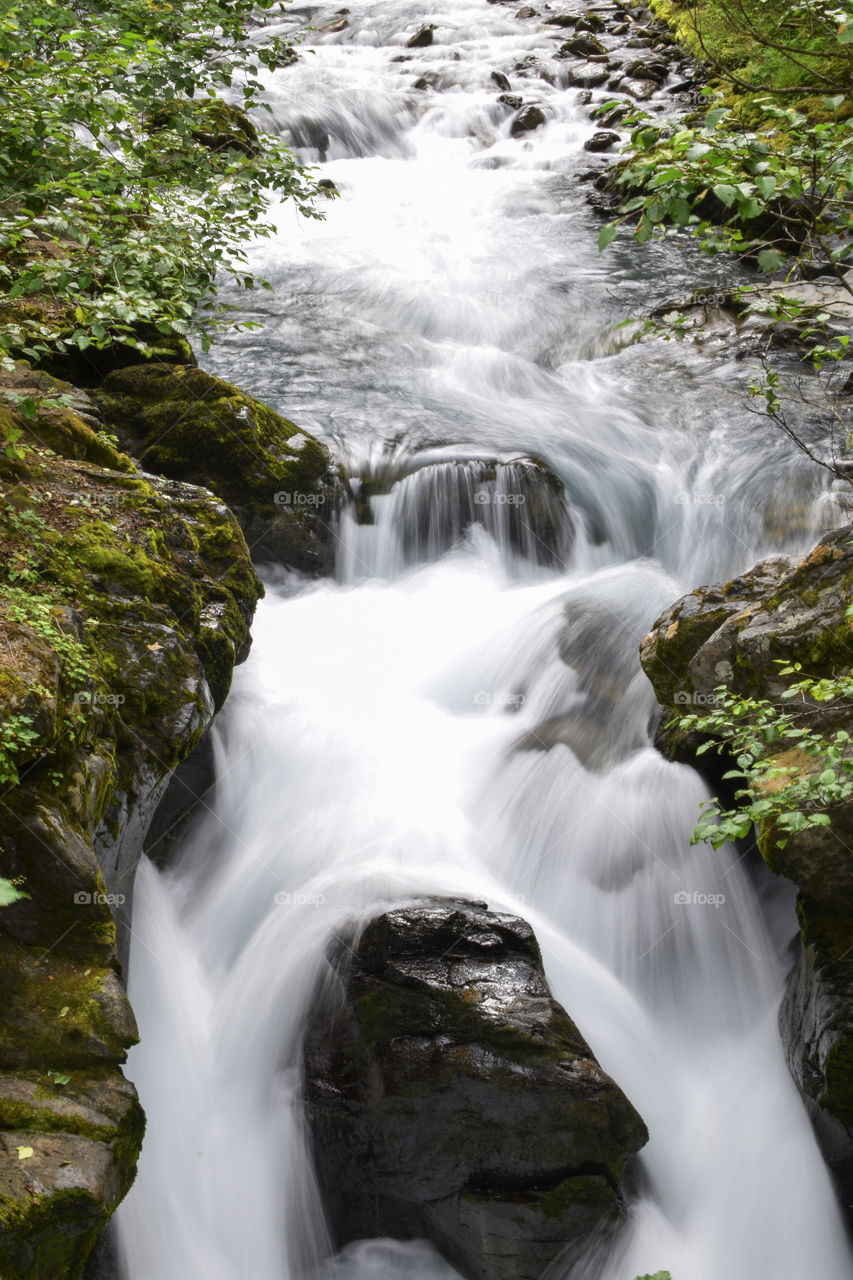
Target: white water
[473,721]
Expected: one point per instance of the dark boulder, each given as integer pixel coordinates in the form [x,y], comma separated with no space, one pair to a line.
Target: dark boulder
[588,76]
[582,46]
[601,141]
[529,118]
[421,39]
[451,1098]
[501,81]
[641,69]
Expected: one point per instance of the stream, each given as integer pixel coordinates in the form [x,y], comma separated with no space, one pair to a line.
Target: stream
[460,710]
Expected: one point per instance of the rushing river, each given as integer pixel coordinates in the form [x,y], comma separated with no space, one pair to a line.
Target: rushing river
[462,712]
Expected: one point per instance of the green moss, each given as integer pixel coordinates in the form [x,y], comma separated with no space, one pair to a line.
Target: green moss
[45,1240]
[187,425]
[837,1099]
[52,1016]
[588,1190]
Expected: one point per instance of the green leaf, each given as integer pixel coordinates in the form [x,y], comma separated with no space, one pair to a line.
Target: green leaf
[727,194]
[9,893]
[771,260]
[607,234]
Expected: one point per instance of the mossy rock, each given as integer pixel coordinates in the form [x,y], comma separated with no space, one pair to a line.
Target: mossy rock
[125,602]
[57,1192]
[40,319]
[215,124]
[188,425]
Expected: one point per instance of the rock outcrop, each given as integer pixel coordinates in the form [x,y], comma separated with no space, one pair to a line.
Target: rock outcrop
[125,602]
[735,634]
[450,1097]
[187,425]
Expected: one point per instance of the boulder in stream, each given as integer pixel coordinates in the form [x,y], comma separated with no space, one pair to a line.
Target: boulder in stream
[451,1097]
[528,118]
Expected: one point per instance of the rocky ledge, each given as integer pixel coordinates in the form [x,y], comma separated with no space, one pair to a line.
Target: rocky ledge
[125,603]
[450,1097]
[733,634]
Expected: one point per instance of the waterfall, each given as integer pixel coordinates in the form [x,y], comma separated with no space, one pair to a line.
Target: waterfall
[460,711]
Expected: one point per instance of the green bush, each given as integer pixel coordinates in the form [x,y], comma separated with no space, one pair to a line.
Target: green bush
[126,183]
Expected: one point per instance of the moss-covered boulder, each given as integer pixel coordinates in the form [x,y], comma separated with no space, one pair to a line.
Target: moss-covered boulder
[737,634]
[184,423]
[40,320]
[450,1097]
[68,1152]
[125,602]
[212,122]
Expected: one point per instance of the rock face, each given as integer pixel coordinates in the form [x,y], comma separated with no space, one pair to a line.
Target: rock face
[187,425]
[732,634]
[125,602]
[450,1097]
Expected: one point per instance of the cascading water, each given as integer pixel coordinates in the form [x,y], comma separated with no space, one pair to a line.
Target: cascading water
[462,710]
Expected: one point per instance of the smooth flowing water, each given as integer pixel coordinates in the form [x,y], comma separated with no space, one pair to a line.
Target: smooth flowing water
[461,710]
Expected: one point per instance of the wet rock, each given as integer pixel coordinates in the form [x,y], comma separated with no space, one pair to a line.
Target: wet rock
[582,46]
[620,29]
[327,185]
[615,116]
[450,1097]
[501,81]
[427,81]
[561,20]
[641,69]
[529,118]
[817,1031]
[638,42]
[512,100]
[188,425]
[587,76]
[525,12]
[421,39]
[339,24]
[642,90]
[601,141]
